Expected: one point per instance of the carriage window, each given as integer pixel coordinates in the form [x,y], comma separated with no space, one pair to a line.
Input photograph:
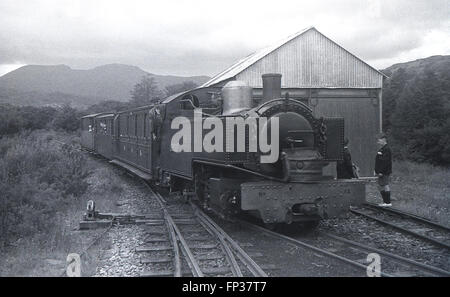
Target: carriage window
[123,125]
[140,125]
[144,125]
[107,127]
[87,125]
[136,119]
[150,126]
[130,126]
[101,128]
[137,125]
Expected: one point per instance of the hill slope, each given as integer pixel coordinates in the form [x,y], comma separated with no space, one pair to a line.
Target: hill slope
[107,82]
[438,64]
[416,109]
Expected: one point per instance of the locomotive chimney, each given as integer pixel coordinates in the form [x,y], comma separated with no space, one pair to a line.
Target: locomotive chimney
[271,86]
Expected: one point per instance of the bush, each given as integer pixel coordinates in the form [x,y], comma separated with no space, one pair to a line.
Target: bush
[37,180]
[16,119]
[66,119]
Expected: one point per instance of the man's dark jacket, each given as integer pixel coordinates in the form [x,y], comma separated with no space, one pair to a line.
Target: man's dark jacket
[383,161]
[344,168]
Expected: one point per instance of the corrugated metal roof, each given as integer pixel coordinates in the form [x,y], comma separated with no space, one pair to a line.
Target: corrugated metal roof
[105,115]
[91,115]
[248,61]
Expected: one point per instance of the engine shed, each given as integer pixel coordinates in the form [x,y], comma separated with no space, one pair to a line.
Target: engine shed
[327,77]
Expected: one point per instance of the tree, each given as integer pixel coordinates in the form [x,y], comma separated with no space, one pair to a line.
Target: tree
[392,90]
[66,119]
[146,92]
[106,106]
[178,88]
[419,123]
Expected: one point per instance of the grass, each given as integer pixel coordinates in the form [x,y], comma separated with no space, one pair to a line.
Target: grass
[44,190]
[419,188]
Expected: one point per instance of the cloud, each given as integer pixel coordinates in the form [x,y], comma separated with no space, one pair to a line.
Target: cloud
[203,37]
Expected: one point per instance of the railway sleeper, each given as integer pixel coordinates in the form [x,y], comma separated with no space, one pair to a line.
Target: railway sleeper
[185,272]
[203,246]
[208,257]
[156,260]
[157,239]
[198,238]
[153,248]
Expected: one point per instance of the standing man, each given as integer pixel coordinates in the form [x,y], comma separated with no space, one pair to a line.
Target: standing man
[383,169]
[344,168]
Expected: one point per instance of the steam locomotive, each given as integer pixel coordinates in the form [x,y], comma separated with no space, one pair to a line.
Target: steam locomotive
[232,151]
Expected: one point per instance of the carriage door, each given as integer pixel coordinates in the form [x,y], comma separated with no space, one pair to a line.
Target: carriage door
[115,136]
[148,140]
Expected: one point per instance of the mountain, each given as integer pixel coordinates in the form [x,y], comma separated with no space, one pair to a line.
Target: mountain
[107,82]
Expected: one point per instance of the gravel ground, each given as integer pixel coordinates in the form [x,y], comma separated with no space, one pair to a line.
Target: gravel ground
[122,259]
[371,233]
[289,259]
[286,259]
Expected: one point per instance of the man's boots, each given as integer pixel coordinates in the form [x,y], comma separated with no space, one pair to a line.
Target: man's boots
[386,198]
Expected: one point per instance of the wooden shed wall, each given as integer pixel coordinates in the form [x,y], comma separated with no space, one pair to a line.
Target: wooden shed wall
[361,113]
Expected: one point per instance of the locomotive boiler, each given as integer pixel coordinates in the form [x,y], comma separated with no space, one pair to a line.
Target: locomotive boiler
[237,153]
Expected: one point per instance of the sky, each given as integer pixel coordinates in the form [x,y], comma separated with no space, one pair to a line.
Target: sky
[203,37]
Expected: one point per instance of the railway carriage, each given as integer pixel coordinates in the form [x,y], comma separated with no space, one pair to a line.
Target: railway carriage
[88,131]
[232,178]
[133,145]
[103,133]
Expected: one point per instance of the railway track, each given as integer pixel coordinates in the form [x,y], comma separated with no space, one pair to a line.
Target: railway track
[424,229]
[191,244]
[186,239]
[186,242]
[355,254]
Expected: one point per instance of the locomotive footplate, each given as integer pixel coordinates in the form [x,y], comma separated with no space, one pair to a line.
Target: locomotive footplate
[279,202]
